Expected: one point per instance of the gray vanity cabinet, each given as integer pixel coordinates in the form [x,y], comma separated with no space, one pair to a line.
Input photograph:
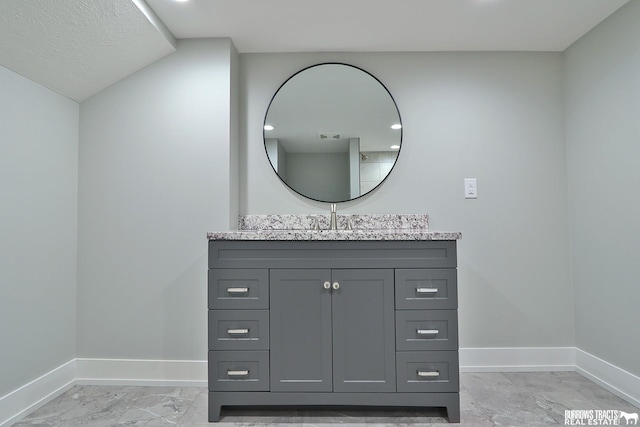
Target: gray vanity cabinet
[332,330]
[363,323]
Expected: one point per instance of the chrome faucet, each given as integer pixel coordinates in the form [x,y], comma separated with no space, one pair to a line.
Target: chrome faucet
[334,223]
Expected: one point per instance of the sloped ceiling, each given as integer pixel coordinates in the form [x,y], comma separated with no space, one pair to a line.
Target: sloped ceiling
[79,47]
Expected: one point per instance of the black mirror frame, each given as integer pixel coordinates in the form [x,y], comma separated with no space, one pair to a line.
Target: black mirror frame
[264,136]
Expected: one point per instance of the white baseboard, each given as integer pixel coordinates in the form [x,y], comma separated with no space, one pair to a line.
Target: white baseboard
[517,359]
[36,393]
[177,373]
[193,373]
[618,381]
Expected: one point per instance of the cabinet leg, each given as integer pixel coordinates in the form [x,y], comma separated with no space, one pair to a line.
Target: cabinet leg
[453,413]
[214,411]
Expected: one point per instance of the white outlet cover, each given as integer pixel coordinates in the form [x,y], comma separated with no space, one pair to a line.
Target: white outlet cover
[470,188]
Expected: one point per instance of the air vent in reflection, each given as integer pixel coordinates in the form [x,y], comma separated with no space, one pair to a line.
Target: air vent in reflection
[329,136]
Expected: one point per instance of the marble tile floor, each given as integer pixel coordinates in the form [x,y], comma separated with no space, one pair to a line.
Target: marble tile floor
[487,399]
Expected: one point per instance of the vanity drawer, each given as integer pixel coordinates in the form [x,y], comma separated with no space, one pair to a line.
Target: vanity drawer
[238,330]
[433,371]
[238,371]
[426,289]
[238,289]
[426,330]
[332,254]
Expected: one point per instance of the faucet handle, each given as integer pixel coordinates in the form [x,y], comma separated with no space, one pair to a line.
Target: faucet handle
[349,225]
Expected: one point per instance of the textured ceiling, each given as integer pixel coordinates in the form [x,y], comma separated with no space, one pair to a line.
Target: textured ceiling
[79,47]
[387,25]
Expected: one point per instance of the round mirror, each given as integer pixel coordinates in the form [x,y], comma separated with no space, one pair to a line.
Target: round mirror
[332,132]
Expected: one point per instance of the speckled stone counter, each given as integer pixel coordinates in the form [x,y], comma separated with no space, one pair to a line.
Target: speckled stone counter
[364,227]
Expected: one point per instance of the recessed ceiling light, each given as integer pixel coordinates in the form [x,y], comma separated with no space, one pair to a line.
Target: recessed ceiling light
[182,1]
[395,147]
[396,126]
[268,127]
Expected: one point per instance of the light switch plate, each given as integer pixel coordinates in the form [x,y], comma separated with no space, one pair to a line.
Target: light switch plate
[470,188]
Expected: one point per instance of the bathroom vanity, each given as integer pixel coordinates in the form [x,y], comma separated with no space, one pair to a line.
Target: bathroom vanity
[365,317]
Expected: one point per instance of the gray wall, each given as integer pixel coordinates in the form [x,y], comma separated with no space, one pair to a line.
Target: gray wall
[497,117]
[164,158]
[234,134]
[38,229]
[325,176]
[156,173]
[603,144]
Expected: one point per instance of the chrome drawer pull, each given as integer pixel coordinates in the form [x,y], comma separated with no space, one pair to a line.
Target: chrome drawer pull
[238,373]
[427,331]
[427,290]
[237,290]
[237,331]
[430,374]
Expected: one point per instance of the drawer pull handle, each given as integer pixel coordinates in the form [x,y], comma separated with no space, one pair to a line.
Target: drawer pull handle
[428,374]
[427,331]
[427,290]
[237,331]
[238,373]
[237,290]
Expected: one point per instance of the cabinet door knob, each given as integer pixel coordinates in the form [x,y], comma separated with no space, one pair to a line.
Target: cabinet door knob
[336,285]
[327,285]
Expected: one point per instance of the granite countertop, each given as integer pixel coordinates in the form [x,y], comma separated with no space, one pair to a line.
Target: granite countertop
[365,227]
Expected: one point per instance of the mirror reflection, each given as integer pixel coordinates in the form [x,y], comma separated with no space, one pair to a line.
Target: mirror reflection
[332,132]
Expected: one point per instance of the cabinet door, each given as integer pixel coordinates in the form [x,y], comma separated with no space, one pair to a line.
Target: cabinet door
[363,331]
[300,323]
